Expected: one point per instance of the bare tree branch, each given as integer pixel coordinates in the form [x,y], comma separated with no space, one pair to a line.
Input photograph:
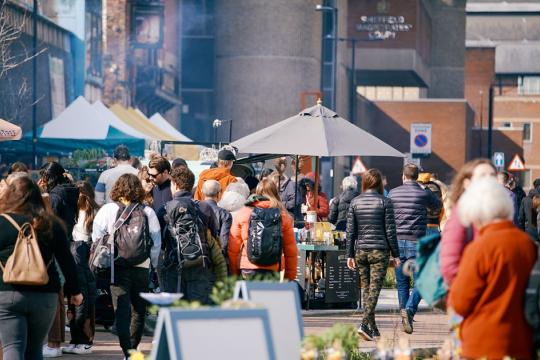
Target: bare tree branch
[11,28]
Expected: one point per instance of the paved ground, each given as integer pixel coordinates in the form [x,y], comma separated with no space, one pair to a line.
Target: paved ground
[430,328]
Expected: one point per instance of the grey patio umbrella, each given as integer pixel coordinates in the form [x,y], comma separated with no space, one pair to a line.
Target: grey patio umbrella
[315,131]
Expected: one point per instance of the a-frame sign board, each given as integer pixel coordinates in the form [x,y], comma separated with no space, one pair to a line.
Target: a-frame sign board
[282,300]
[213,333]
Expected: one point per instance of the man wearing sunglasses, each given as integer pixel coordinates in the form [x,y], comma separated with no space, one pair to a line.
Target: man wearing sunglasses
[159,170]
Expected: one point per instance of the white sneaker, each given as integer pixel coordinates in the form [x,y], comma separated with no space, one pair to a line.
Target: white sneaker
[68,349]
[79,349]
[51,352]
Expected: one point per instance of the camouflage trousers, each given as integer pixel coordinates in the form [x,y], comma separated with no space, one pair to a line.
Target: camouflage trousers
[372,266]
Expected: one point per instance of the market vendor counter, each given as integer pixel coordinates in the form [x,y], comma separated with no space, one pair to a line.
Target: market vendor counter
[323,275]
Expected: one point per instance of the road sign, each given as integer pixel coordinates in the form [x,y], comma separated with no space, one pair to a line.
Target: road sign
[516,164]
[358,168]
[420,139]
[409,159]
[498,160]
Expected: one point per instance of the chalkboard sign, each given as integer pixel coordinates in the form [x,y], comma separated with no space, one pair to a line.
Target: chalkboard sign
[186,334]
[341,283]
[301,269]
[282,301]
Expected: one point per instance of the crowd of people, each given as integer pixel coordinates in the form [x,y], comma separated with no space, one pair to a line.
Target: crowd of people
[159,227]
[154,226]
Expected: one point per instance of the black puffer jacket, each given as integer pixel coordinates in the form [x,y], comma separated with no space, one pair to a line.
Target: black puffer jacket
[371,225]
[340,206]
[411,203]
[525,221]
[63,199]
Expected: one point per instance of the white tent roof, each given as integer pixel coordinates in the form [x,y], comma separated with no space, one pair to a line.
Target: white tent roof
[78,121]
[164,125]
[115,122]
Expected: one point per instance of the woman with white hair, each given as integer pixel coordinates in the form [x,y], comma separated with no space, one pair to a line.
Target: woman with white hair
[340,205]
[490,285]
[234,197]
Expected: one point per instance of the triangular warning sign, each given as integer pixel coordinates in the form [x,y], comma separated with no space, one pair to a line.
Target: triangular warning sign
[516,164]
[358,168]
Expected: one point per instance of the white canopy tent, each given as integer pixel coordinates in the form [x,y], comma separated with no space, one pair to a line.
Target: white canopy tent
[164,125]
[78,121]
[104,113]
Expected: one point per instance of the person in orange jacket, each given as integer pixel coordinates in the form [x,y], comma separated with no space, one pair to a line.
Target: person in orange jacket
[221,174]
[266,196]
[489,288]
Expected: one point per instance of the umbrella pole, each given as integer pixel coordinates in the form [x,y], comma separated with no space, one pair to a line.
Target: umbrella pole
[317,179]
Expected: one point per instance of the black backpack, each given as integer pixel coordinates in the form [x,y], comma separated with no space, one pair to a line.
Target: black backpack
[187,230]
[132,241]
[532,296]
[264,244]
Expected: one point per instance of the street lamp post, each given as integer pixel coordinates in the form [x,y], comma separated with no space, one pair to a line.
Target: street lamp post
[334,12]
[352,75]
[34,83]
[490,123]
[217,124]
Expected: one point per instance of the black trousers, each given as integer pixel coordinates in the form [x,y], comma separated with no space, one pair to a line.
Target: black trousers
[194,283]
[82,321]
[129,282]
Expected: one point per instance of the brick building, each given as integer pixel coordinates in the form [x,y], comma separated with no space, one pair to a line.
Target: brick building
[412,72]
[502,49]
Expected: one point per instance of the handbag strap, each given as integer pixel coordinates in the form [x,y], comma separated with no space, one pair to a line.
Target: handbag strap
[13,222]
[124,216]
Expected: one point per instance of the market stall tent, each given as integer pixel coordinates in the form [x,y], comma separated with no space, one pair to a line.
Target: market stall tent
[141,123]
[108,115]
[163,124]
[79,126]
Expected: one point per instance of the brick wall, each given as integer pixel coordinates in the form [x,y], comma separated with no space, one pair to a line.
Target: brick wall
[479,74]
[518,110]
[116,26]
[451,141]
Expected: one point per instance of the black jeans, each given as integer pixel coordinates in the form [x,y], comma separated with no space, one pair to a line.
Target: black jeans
[129,282]
[194,283]
[25,319]
[82,321]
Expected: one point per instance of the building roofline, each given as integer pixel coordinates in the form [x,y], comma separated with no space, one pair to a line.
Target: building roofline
[434,100]
[502,7]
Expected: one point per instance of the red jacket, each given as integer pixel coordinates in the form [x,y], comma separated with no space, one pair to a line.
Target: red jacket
[489,291]
[454,239]
[239,236]
[323,210]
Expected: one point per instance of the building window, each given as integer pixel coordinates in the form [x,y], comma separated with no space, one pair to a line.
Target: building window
[527,132]
[389,92]
[529,85]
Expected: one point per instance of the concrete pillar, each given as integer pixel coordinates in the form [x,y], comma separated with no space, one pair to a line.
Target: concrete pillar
[267,55]
[447,49]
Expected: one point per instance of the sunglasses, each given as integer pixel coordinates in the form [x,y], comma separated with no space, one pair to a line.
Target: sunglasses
[153,176]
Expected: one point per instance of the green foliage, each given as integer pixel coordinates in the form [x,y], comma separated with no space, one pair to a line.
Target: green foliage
[223,290]
[84,158]
[340,337]
[390,279]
